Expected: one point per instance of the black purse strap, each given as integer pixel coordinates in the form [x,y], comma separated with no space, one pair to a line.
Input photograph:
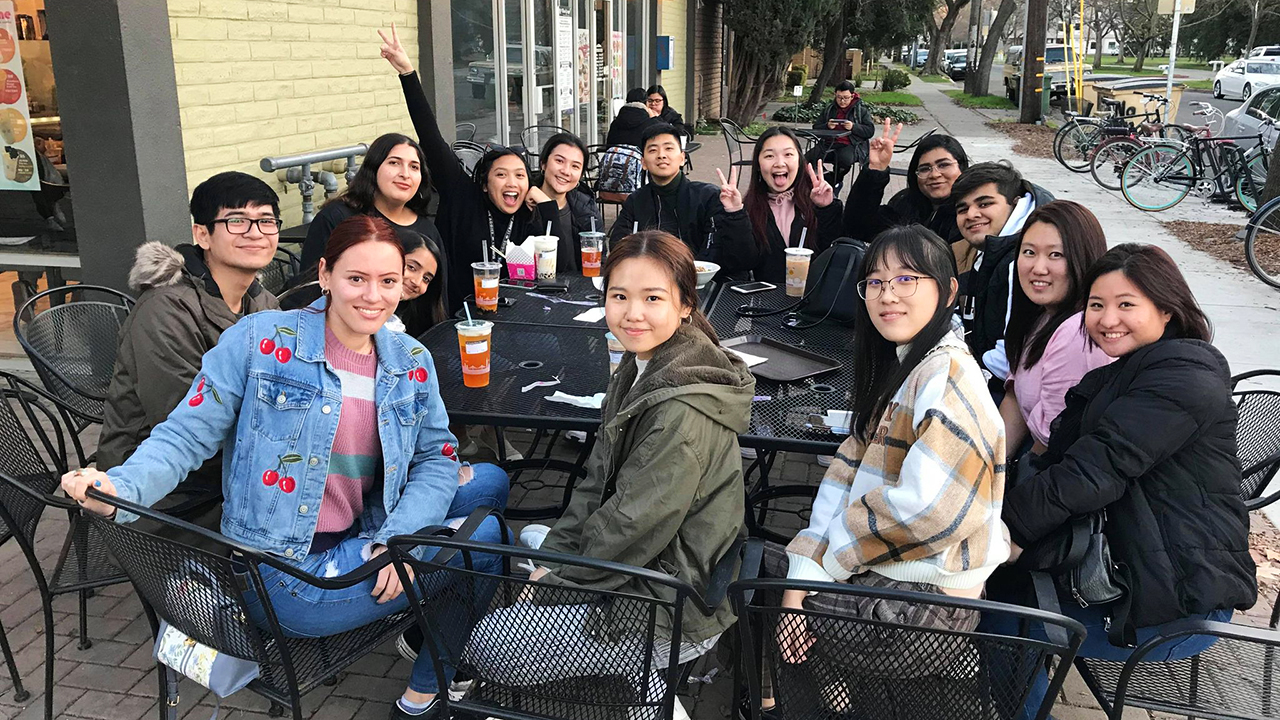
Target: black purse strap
[1047,600]
[798,325]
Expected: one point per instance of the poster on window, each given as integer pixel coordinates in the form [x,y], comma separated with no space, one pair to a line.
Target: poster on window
[584,66]
[564,63]
[615,65]
[19,148]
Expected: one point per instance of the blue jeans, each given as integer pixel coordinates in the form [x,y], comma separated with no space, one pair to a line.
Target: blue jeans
[1095,643]
[307,611]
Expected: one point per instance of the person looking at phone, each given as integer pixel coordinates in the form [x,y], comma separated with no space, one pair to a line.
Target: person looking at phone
[846,112]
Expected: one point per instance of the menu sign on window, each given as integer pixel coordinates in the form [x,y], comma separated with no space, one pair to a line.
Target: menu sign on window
[17,147]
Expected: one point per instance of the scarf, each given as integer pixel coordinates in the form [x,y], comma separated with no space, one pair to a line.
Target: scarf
[783,207]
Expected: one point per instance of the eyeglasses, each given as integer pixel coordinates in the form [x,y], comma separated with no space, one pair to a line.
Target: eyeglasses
[942,166]
[903,286]
[240,225]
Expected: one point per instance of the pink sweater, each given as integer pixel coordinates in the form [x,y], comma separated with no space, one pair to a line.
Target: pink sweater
[353,462]
[1042,388]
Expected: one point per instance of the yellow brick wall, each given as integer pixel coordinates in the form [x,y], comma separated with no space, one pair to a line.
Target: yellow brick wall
[673,20]
[258,78]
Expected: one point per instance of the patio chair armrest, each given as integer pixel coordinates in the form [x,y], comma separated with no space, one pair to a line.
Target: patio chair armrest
[1263,501]
[722,577]
[752,558]
[1235,379]
[464,531]
[49,499]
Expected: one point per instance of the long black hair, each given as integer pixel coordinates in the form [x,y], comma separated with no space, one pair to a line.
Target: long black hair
[877,371]
[757,200]
[425,311]
[360,192]
[1083,242]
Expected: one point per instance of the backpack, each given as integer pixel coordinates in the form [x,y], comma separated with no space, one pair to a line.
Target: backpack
[621,168]
[831,289]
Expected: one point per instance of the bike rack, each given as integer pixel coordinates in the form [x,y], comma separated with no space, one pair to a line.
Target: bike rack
[296,169]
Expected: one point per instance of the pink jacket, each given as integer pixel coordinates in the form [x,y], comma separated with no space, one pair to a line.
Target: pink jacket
[1042,388]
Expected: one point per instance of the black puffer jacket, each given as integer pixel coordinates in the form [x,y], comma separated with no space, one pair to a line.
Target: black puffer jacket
[1152,438]
[865,217]
[711,233]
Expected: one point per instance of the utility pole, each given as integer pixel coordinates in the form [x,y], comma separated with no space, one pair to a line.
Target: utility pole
[1033,61]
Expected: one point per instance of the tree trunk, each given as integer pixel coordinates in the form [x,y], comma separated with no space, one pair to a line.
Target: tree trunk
[938,38]
[1141,56]
[988,55]
[1254,19]
[832,53]
[1033,49]
[751,85]
[972,50]
[1097,51]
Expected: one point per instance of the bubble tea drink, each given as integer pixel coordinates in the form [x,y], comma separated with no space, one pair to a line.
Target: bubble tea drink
[545,247]
[485,275]
[797,270]
[474,337]
[616,350]
[592,251]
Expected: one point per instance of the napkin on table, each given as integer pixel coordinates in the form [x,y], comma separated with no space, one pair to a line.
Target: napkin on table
[593,402]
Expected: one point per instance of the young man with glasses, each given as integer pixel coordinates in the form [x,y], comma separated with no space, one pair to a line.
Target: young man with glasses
[187,296]
[846,113]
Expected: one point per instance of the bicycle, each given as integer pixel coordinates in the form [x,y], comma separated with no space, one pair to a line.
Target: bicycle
[1076,141]
[1159,176]
[1111,154]
[1262,243]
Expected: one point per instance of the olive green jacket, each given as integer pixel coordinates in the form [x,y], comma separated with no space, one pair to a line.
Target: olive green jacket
[664,486]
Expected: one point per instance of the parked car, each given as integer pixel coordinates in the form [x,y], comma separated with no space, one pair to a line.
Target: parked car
[955,64]
[922,55]
[480,73]
[1254,116]
[1244,77]
[1056,58]
[1265,51]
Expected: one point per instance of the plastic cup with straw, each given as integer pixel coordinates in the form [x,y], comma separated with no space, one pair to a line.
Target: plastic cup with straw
[798,266]
[474,340]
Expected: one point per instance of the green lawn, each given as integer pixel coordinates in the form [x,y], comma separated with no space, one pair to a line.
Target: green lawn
[935,78]
[891,98]
[989,102]
[1197,84]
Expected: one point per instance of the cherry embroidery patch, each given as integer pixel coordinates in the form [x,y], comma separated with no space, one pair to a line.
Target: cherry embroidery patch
[418,374]
[198,398]
[449,452]
[286,483]
[271,346]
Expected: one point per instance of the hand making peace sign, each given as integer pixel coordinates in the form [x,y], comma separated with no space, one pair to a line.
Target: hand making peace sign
[394,52]
[822,193]
[730,196]
[881,148]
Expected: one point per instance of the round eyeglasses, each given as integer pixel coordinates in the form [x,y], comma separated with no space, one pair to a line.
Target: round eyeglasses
[902,286]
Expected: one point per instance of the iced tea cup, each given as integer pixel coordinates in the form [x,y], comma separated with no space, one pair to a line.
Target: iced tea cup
[485,275]
[545,249]
[797,270]
[615,351]
[592,252]
[474,337]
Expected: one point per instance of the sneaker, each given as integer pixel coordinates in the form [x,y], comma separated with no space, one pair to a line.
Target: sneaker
[430,711]
[749,453]
[409,643]
[825,460]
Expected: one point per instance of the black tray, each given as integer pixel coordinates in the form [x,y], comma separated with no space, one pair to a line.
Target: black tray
[786,363]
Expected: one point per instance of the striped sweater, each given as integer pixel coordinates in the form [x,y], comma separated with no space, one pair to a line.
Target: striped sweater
[357,452]
[921,502]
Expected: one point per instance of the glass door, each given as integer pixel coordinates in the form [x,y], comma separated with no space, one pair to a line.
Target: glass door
[584,120]
[475,69]
[540,19]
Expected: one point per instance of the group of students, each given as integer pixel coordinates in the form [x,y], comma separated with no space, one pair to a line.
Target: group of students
[1011,373]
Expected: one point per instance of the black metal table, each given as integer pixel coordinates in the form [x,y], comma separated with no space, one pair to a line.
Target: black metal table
[553,308]
[724,317]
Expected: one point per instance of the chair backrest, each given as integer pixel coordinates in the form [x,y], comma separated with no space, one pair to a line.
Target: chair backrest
[464,131]
[534,136]
[468,154]
[71,334]
[199,592]
[1257,435]
[621,170]
[541,650]
[282,268]
[735,138]
[32,456]
[882,668]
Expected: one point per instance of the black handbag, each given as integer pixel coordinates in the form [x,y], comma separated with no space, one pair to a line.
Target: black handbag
[831,289]
[1079,559]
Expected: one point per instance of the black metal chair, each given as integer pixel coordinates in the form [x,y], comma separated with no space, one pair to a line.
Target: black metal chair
[737,140]
[202,593]
[73,343]
[464,131]
[468,154]
[1257,438]
[903,148]
[1233,678]
[282,268]
[33,459]
[877,668]
[532,139]
[545,651]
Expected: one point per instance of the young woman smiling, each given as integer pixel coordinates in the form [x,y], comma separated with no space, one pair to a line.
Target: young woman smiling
[330,383]
[1049,349]
[562,159]
[912,499]
[782,198]
[488,207]
[422,296]
[392,183]
[1150,439]
[935,165]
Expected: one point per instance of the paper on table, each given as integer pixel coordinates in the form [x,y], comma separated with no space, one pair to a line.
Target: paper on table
[591,401]
[595,314]
[838,420]
[748,358]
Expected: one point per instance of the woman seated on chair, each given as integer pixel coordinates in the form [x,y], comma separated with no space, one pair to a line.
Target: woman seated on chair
[422,292]
[912,498]
[392,183]
[1151,440]
[663,488]
[631,121]
[657,102]
[487,207]
[563,158]
[935,165]
[1048,347]
[783,197]
[335,439]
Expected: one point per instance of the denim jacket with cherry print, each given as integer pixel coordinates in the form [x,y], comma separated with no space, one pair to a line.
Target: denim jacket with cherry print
[266,395]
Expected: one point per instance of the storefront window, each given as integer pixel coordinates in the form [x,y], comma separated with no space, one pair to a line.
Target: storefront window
[474,67]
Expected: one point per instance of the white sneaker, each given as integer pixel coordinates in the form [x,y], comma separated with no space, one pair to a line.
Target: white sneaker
[749,453]
[825,460]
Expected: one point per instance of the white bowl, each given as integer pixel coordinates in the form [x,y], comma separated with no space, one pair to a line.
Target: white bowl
[706,271]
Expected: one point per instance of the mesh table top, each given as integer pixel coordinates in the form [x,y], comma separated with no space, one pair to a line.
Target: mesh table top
[531,309]
[724,317]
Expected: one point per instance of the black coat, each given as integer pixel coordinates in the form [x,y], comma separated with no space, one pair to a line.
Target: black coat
[865,217]
[669,115]
[465,210]
[864,126]
[1151,438]
[772,266]
[711,233]
[582,209]
[629,125]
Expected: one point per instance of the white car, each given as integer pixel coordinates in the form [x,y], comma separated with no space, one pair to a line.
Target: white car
[1243,78]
